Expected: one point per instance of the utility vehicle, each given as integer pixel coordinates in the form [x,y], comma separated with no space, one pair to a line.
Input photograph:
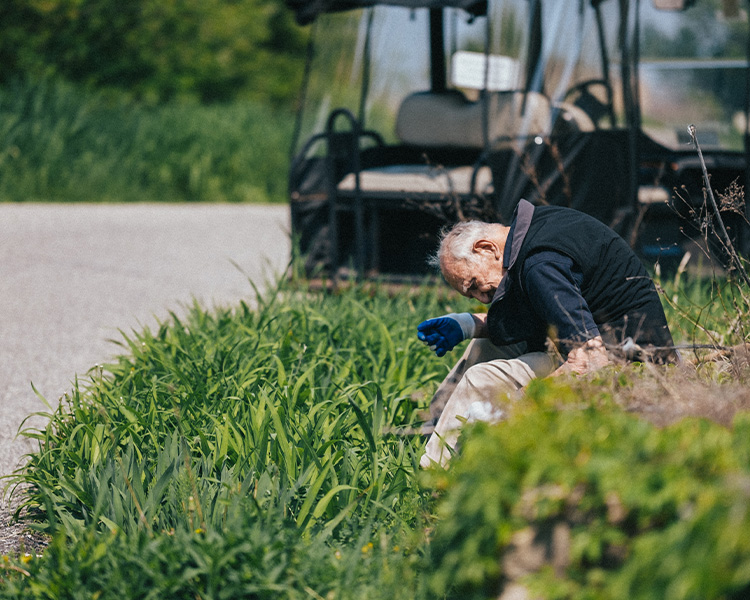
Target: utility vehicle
[415,114]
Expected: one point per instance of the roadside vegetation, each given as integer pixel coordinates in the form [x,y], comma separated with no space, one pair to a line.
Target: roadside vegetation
[147,101]
[155,52]
[61,143]
[256,452]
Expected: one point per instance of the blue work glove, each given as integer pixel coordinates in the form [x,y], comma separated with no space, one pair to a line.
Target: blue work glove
[445,333]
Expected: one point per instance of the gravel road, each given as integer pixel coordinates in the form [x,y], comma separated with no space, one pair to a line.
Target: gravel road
[72,276]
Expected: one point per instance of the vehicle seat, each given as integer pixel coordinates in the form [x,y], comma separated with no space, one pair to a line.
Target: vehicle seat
[449,119]
[422,179]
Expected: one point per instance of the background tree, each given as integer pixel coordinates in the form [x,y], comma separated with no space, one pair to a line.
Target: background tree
[210,50]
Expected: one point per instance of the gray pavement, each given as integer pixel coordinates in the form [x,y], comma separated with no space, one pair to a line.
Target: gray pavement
[72,276]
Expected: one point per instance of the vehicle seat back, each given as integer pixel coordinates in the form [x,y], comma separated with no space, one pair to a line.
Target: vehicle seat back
[449,119]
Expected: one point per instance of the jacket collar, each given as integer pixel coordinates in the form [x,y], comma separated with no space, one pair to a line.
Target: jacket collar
[519,227]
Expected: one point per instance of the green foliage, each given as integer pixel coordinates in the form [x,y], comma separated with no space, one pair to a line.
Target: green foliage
[266,429]
[651,513]
[211,50]
[60,143]
[289,399]
[703,310]
[256,555]
[250,453]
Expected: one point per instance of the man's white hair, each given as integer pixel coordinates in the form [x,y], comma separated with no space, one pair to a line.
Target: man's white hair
[457,243]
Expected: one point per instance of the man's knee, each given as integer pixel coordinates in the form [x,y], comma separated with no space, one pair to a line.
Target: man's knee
[495,378]
[490,381]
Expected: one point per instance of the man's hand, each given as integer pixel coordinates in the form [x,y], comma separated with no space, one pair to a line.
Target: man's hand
[587,358]
[444,333]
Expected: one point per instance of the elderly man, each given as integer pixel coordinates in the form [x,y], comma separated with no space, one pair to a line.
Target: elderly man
[554,272]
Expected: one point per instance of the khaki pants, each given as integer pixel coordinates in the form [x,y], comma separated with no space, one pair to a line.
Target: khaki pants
[474,391]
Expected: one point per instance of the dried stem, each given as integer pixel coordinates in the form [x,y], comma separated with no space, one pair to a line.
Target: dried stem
[724,235]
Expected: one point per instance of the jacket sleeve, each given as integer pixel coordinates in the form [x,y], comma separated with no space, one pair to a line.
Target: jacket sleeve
[553,285]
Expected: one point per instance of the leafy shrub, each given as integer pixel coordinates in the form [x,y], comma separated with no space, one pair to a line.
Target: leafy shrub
[617,507]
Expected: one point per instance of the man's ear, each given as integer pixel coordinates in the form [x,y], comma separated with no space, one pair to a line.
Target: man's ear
[484,246]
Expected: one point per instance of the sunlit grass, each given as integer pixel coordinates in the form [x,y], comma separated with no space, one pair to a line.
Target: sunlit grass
[285,411]
[59,143]
[251,453]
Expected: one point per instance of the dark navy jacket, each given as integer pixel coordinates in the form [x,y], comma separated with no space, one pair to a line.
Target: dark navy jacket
[572,278]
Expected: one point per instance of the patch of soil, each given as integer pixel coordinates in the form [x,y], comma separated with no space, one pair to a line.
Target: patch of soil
[15,536]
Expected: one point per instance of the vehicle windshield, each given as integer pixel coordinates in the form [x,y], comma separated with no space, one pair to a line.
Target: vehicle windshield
[399,57]
[693,70]
[692,64]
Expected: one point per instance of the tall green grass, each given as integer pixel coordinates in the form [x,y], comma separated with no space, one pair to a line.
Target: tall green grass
[252,453]
[289,401]
[272,421]
[706,311]
[59,143]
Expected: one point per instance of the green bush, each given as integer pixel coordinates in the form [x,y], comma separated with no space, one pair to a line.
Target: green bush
[207,50]
[643,512]
[58,143]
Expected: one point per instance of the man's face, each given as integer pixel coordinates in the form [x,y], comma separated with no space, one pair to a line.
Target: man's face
[477,278]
